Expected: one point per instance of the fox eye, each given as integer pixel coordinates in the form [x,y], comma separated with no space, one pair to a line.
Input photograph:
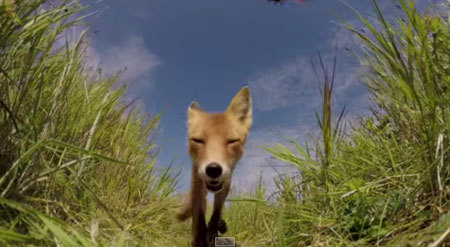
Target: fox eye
[198,140]
[232,141]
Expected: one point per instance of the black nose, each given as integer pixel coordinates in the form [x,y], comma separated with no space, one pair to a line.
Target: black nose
[213,170]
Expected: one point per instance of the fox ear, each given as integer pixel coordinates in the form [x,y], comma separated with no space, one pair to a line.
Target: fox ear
[193,108]
[241,107]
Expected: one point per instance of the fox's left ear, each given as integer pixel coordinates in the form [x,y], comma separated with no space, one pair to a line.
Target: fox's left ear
[193,109]
[241,107]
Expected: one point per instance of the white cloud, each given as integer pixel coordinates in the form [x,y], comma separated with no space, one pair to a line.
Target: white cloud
[132,58]
[135,62]
[257,163]
[296,83]
[341,37]
[283,86]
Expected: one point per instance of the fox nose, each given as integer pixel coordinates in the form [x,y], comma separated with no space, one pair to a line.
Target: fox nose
[213,170]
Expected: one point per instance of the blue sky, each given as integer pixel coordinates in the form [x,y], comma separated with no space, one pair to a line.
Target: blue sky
[206,50]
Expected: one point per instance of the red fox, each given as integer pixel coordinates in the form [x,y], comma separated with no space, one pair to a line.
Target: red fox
[216,143]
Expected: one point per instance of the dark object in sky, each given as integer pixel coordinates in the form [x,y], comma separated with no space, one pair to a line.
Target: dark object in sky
[281,2]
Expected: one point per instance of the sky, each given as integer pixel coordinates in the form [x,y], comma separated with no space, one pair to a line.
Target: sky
[178,51]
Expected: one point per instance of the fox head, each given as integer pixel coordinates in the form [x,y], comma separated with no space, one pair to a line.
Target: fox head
[217,140]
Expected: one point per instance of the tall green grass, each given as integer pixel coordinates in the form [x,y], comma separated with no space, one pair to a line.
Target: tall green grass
[77,162]
[385,182]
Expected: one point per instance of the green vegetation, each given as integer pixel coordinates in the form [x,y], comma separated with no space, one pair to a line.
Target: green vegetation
[385,182]
[75,165]
[78,163]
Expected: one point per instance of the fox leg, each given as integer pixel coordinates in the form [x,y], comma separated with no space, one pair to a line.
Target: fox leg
[216,223]
[198,202]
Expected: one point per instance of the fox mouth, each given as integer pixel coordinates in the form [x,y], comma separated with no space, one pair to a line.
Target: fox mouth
[214,186]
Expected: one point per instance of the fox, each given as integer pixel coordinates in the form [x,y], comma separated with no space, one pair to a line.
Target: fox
[216,142]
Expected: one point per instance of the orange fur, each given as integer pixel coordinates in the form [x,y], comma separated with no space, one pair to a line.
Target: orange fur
[216,143]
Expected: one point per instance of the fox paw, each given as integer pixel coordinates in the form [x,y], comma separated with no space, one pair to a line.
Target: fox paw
[212,237]
[222,226]
[193,244]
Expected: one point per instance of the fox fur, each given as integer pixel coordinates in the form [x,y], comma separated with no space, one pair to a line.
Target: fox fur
[216,143]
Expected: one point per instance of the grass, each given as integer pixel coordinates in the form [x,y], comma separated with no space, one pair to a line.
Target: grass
[387,180]
[78,163]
